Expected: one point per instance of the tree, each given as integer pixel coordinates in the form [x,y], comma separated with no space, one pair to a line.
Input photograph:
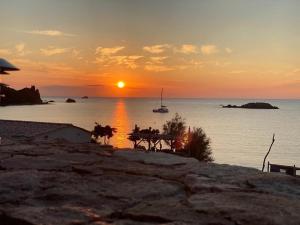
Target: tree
[133,136]
[106,133]
[148,135]
[198,145]
[175,127]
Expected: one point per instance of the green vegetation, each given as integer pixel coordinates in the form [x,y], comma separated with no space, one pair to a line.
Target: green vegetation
[175,127]
[189,143]
[198,145]
[193,143]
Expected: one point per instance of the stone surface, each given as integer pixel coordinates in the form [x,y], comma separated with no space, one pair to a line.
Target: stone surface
[76,184]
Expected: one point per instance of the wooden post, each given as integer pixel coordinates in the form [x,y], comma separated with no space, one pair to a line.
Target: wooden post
[273,140]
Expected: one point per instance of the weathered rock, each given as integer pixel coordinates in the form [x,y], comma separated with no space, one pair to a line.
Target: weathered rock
[84,184]
[157,158]
[25,96]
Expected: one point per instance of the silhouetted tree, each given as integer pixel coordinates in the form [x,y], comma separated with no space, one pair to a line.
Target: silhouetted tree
[106,133]
[198,145]
[175,127]
[134,137]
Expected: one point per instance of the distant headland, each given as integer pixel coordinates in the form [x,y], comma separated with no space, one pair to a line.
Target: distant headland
[253,105]
[25,96]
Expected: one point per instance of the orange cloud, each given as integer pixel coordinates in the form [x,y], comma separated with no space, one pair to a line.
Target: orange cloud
[156,49]
[108,51]
[53,51]
[20,49]
[209,49]
[187,49]
[158,68]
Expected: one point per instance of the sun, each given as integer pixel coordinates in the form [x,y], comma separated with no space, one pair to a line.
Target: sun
[121,84]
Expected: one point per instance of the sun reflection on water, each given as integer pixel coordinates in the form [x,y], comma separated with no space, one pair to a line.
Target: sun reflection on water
[121,122]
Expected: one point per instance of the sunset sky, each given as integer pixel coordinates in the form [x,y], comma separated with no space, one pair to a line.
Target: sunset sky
[192,48]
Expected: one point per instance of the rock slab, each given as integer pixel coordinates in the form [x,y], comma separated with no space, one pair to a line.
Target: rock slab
[66,184]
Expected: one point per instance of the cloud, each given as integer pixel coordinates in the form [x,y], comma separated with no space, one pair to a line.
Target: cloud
[96,85]
[221,63]
[228,50]
[156,49]
[129,61]
[156,64]
[187,49]
[296,70]
[76,54]
[53,51]
[52,33]
[158,68]
[157,59]
[20,49]
[209,49]
[5,52]
[197,63]
[108,51]
[108,57]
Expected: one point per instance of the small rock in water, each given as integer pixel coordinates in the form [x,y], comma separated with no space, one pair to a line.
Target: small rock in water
[70,100]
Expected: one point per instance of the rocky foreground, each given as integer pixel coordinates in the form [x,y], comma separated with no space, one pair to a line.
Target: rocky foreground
[84,184]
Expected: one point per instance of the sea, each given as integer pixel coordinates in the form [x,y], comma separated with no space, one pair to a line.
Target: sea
[238,136]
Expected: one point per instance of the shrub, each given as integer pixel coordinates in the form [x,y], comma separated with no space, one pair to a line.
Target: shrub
[175,127]
[198,145]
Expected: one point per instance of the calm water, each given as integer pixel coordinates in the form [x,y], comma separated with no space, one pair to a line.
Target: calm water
[239,136]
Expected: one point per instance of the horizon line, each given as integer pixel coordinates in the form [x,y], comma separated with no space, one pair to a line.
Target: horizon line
[156,97]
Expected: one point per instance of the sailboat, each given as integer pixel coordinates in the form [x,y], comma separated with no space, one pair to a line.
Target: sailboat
[163,108]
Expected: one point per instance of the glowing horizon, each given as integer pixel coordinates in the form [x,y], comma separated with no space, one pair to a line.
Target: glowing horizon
[198,49]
